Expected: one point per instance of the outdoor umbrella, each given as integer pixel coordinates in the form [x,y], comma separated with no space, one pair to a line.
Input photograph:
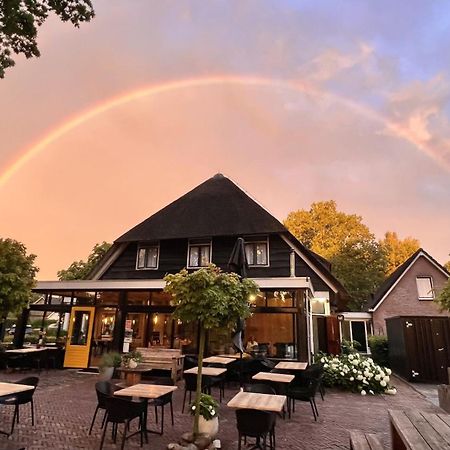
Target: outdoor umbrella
[238,264]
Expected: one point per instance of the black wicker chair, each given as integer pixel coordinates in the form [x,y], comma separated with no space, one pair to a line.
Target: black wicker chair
[22,398]
[190,385]
[120,411]
[163,401]
[104,390]
[256,424]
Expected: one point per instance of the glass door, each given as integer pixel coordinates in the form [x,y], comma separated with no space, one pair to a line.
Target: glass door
[79,337]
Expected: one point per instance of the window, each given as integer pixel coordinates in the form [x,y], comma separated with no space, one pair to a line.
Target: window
[148,257]
[257,252]
[425,288]
[199,253]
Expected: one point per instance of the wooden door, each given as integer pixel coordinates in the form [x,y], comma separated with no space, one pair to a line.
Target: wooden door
[334,342]
[440,347]
[79,337]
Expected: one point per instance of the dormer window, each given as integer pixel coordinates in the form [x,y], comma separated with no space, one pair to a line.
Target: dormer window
[148,257]
[199,253]
[257,251]
[425,288]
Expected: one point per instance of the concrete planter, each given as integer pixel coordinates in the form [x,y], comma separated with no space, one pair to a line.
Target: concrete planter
[209,427]
[444,397]
[106,373]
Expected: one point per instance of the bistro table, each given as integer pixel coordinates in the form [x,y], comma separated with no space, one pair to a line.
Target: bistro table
[207,371]
[7,389]
[218,360]
[415,430]
[261,402]
[290,365]
[147,391]
[230,356]
[26,350]
[133,376]
[273,377]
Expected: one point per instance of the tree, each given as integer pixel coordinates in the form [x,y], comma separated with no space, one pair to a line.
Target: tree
[214,299]
[357,259]
[19,22]
[17,272]
[397,250]
[79,270]
[443,298]
[447,266]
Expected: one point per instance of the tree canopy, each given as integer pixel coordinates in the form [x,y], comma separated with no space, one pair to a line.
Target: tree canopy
[444,296]
[79,270]
[17,273]
[397,250]
[447,266]
[20,20]
[357,259]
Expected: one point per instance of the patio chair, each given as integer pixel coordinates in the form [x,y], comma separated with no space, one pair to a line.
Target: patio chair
[256,424]
[305,391]
[163,401]
[104,390]
[260,388]
[190,385]
[22,398]
[218,381]
[120,411]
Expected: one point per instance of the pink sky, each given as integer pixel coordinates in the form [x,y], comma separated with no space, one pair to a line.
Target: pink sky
[286,148]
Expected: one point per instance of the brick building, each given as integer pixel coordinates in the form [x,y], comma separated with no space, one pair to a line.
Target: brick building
[409,291]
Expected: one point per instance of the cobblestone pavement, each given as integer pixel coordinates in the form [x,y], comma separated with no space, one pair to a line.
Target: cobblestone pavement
[65,402]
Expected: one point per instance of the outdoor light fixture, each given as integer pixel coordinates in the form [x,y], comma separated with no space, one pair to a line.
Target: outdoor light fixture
[155,319]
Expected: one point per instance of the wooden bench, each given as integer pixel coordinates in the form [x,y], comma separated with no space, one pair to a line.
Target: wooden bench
[163,358]
[362,441]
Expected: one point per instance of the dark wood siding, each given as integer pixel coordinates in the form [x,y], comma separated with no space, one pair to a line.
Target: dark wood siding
[173,257]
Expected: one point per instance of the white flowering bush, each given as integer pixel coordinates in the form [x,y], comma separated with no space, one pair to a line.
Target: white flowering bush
[209,408]
[356,373]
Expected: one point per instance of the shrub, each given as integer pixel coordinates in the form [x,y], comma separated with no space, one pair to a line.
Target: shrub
[356,373]
[111,359]
[380,350]
[127,357]
[208,407]
[348,347]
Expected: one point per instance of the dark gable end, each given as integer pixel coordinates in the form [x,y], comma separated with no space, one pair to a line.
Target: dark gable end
[217,207]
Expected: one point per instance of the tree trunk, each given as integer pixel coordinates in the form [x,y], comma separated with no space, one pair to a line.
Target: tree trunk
[2,328]
[198,392]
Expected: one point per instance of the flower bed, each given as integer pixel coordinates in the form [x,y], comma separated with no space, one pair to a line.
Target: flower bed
[356,373]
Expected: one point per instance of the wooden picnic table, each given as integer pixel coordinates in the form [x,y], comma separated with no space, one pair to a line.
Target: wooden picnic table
[416,430]
[207,371]
[291,365]
[133,376]
[13,388]
[261,402]
[149,391]
[274,377]
[218,360]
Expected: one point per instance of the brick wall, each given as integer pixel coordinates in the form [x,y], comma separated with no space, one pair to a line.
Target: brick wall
[403,299]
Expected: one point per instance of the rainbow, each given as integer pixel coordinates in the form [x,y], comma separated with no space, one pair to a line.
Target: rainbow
[218,80]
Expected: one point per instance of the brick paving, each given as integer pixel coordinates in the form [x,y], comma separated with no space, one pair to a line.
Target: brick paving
[65,402]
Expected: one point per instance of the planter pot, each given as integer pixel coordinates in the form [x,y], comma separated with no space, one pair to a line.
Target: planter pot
[106,373]
[210,427]
[132,364]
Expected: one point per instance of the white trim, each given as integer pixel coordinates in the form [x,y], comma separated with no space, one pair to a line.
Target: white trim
[421,253]
[357,315]
[93,285]
[260,241]
[140,246]
[101,270]
[196,245]
[310,264]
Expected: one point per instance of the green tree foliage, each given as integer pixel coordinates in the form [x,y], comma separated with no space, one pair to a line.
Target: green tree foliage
[447,266]
[443,297]
[357,259]
[214,299]
[397,250]
[79,270]
[17,272]
[20,20]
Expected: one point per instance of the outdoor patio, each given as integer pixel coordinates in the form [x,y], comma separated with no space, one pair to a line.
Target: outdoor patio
[65,402]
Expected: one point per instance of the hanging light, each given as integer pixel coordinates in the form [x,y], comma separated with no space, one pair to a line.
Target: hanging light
[155,319]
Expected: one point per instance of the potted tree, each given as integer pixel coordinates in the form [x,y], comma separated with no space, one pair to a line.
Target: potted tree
[214,299]
[132,359]
[208,422]
[108,362]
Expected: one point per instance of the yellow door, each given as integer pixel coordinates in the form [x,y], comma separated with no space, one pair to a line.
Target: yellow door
[79,337]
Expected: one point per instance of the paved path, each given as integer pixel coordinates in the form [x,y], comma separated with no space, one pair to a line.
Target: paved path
[65,402]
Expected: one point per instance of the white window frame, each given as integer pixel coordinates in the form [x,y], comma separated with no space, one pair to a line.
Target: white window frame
[258,240]
[147,246]
[368,329]
[431,297]
[198,243]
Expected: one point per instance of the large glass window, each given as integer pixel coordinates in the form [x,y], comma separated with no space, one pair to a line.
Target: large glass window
[148,257]
[275,299]
[107,298]
[80,328]
[199,253]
